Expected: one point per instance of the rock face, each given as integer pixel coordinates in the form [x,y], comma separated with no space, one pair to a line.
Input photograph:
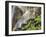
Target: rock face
[24,13]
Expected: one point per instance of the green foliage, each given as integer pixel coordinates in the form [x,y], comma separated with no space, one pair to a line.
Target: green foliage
[33,24]
[38,19]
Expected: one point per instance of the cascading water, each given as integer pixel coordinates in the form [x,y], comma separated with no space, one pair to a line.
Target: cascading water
[26,16]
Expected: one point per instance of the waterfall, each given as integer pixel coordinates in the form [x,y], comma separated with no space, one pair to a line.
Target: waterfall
[26,16]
